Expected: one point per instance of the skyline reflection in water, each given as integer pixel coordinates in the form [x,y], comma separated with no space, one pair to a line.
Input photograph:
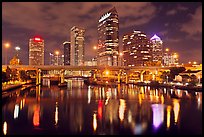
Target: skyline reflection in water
[82,109]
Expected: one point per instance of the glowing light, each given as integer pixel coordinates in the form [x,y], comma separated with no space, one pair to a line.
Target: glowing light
[155,37]
[17,48]
[16,111]
[121,54]
[37,39]
[36,116]
[94,122]
[7,45]
[57,52]
[176,109]
[104,17]
[167,49]
[158,115]
[122,109]
[168,116]
[5,128]
[56,114]
[100,105]
[194,62]
[94,47]
[129,116]
[107,72]
[89,94]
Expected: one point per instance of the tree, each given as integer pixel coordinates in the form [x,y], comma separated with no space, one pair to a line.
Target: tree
[14,74]
[8,73]
[4,77]
[175,71]
[23,75]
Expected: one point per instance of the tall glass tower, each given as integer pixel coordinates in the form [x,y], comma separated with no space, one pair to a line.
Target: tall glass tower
[67,47]
[108,39]
[157,49]
[77,46]
[36,51]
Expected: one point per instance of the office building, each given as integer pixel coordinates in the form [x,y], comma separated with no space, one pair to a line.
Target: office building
[77,46]
[67,49]
[108,39]
[57,60]
[157,50]
[36,51]
[170,59]
[137,50]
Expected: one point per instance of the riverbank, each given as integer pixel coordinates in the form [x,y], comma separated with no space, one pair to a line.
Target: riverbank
[151,84]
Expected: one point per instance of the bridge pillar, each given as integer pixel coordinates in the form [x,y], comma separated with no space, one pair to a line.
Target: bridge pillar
[119,76]
[126,78]
[94,75]
[38,77]
[142,76]
[62,76]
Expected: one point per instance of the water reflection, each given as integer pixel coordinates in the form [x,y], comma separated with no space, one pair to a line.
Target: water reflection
[94,122]
[36,116]
[56,113]
[158,115]
[122,107]
[5,128]
[126,109]
[16,111]
[176,108]
[168,119]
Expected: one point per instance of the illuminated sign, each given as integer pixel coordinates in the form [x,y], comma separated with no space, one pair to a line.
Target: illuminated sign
[37,39]
[104,17]
[155,37]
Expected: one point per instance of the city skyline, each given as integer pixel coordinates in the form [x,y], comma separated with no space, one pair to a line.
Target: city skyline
[52,21]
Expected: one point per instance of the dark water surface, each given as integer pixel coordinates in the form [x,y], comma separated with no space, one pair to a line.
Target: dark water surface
[81,109]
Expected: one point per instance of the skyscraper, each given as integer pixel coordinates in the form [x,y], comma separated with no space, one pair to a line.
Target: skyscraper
[108,39]
[57,60]
[157,49]
[67,48]
[136,49]
[77,46]
[36,51]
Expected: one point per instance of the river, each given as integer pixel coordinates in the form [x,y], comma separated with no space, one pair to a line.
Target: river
[93,110]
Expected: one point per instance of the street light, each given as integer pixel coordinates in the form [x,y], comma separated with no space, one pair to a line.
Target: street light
[17,49]
[95,47]
[167,49]
[7,45]
[107,72]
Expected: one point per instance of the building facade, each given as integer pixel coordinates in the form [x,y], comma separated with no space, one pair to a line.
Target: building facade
[137,50]
[108,39]
[57,60]
[157,50]
[36,51]
[67,49]
[77,46]
[170,59]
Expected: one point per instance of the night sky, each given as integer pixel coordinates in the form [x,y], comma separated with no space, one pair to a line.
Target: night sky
[179,25]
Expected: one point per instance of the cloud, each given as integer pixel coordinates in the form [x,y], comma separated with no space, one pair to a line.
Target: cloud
[55,19]
[194,26]
[177,9]
[171,12]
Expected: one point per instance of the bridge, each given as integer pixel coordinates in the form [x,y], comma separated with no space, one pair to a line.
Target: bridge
[96,70]
[84,68]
